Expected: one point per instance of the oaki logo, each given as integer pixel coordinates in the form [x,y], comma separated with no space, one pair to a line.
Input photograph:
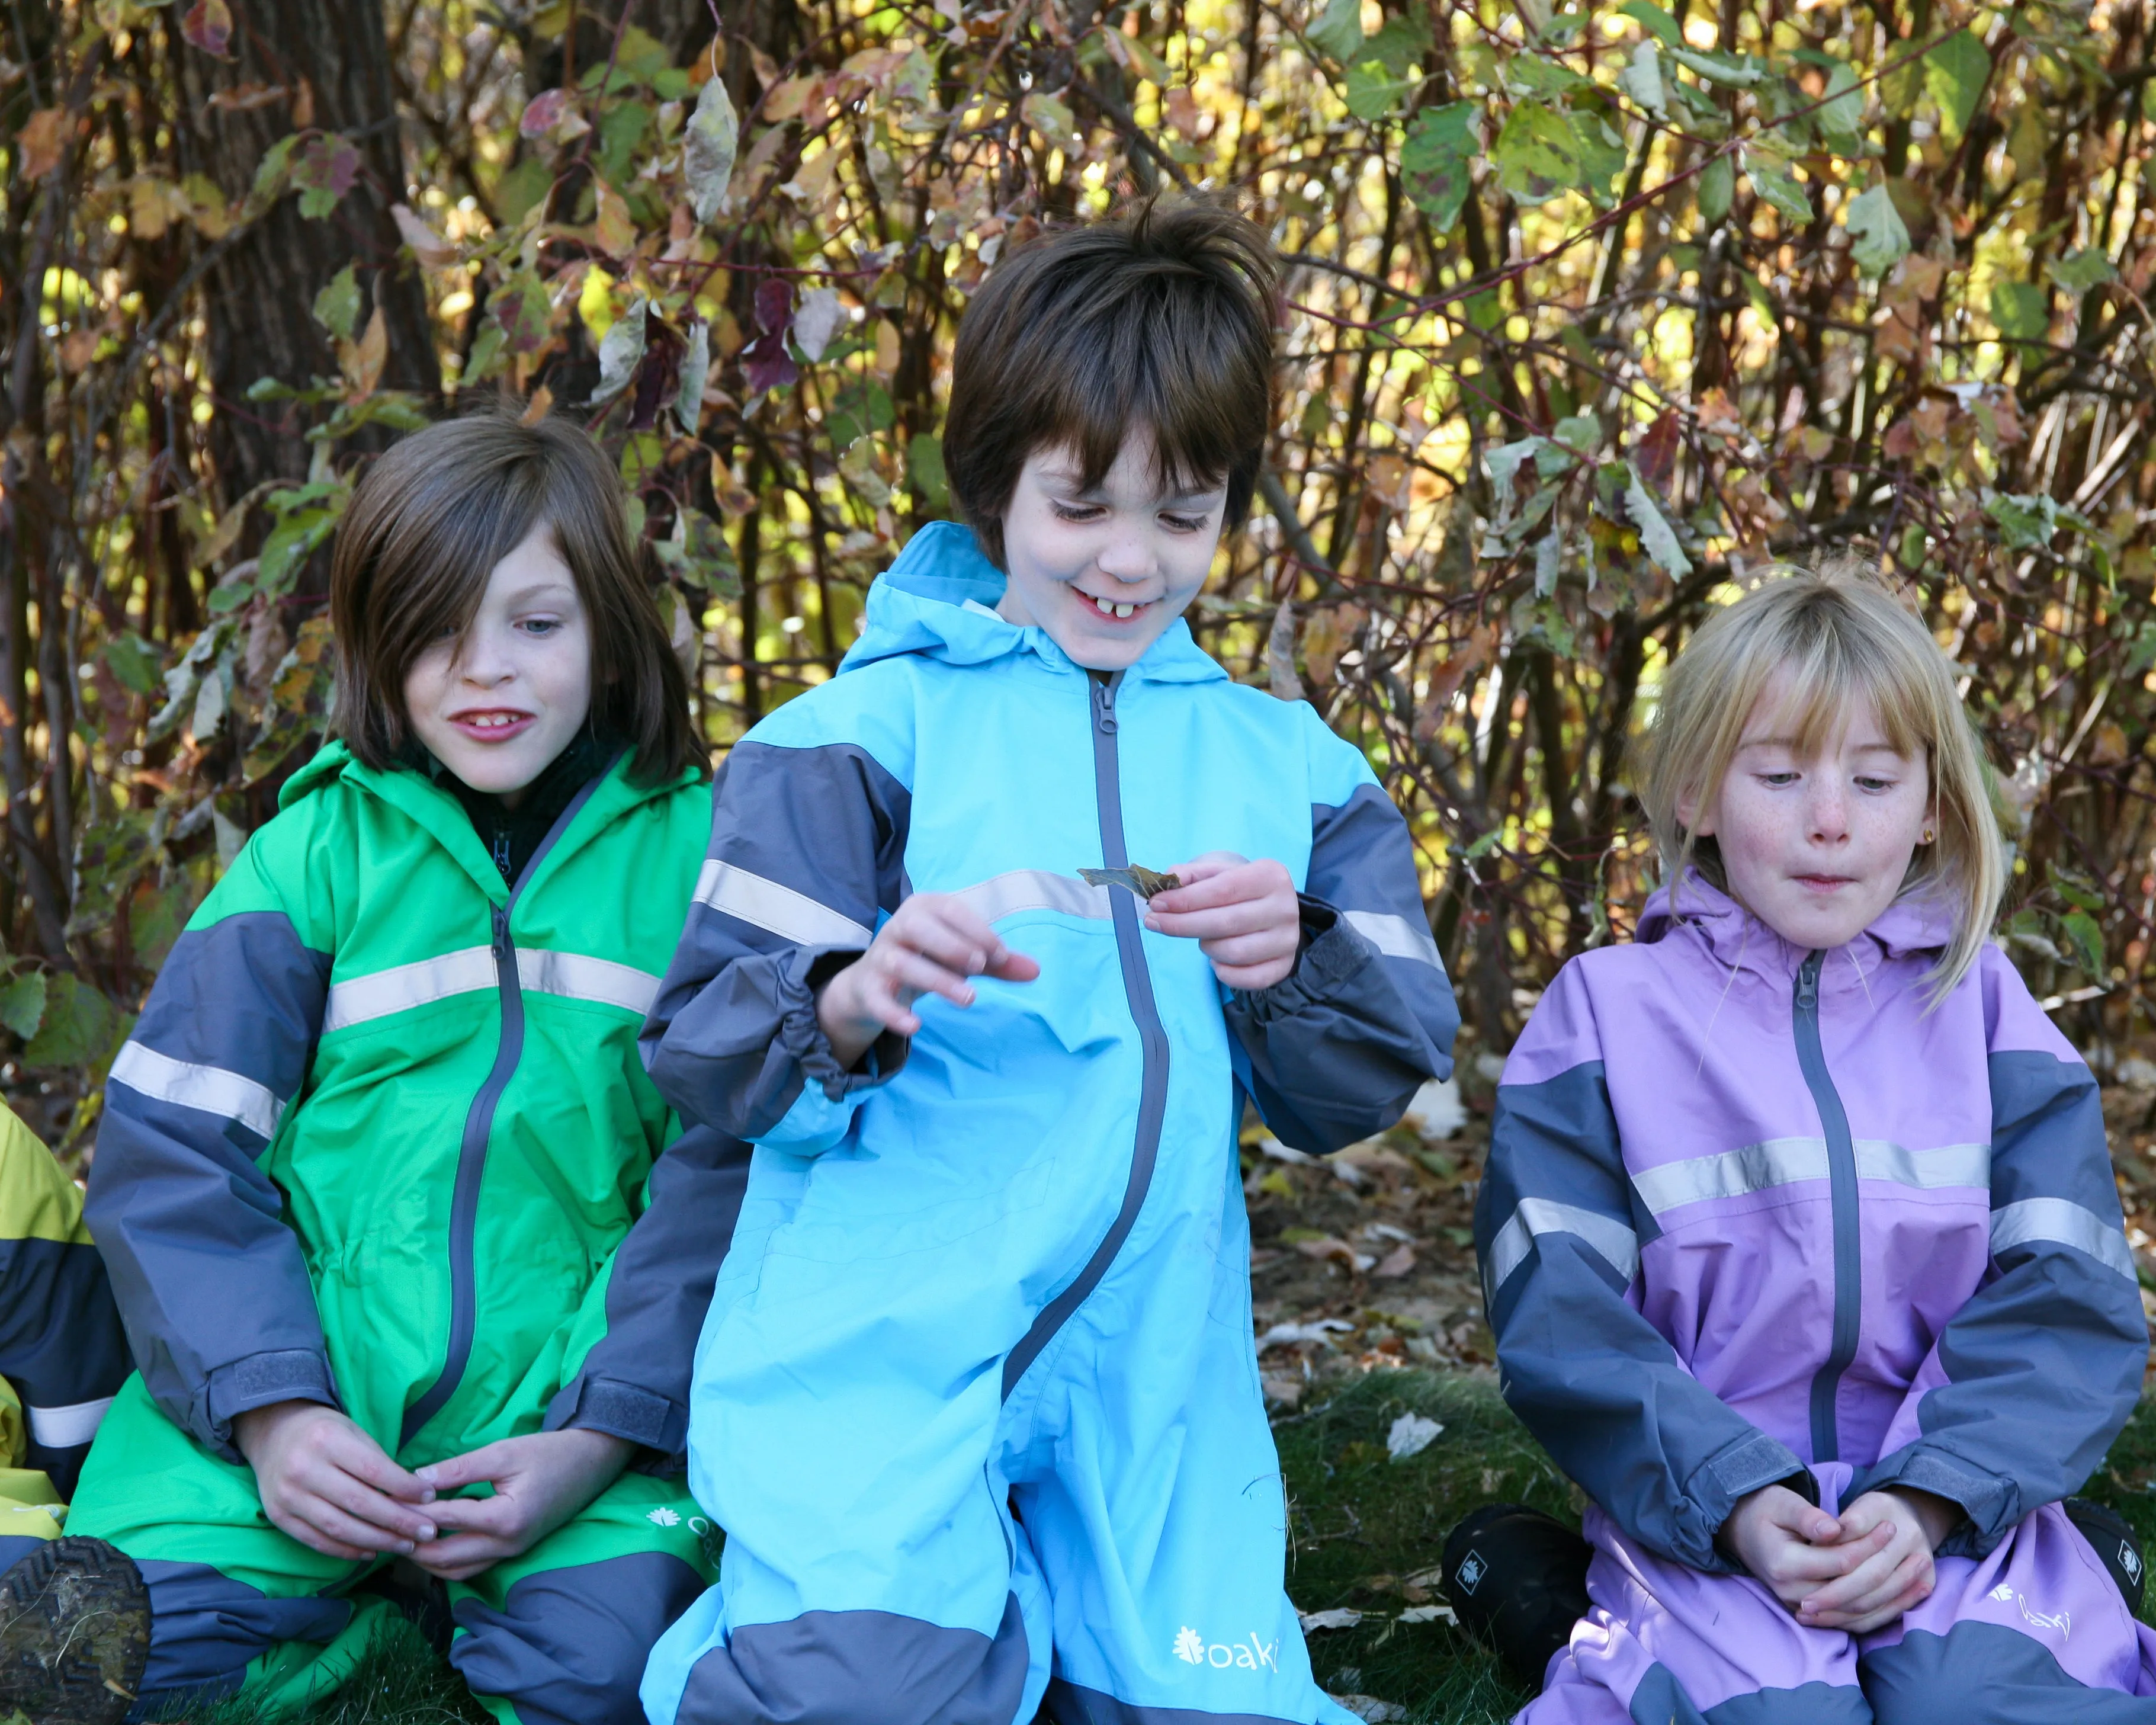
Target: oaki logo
[1252,1655]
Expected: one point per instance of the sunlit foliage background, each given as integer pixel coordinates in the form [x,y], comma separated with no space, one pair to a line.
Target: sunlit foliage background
[1592,312]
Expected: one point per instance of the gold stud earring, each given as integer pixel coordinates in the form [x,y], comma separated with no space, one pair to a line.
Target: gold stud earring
[1927,835]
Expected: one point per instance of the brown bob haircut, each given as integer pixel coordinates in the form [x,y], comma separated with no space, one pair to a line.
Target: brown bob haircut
[1163,318]
[431,519]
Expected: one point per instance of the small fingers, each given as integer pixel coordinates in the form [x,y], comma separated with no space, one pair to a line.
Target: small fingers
[313,1538]
[494,1516]
[334,1523]
[371,1508]
[460,1559]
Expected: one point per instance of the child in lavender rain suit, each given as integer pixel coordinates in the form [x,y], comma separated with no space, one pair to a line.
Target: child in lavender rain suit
[1800,1236]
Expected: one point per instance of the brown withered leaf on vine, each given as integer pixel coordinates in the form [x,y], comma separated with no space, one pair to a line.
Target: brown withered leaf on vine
[1144,882]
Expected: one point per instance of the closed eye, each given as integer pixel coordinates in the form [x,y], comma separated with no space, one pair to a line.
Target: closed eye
[1077,511]
[1183,523]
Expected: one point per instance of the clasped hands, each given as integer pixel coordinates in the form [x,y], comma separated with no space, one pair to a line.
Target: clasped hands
[1856,1572]
[1244,915]
[332,1487]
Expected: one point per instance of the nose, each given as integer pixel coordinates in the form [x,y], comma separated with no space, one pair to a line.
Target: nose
[483,662]
[1828,811]
[1128,557]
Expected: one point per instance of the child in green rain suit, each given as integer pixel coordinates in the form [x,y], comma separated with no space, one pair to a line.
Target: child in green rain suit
[411,1254]
[62,1356]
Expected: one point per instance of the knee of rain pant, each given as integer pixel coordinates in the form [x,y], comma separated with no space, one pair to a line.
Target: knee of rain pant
[844,1667]
[568,1646]
[1987,1674]
[205,1628]
[1661,1697]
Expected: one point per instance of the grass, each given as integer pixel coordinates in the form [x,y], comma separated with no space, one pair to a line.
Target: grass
[1361,1524]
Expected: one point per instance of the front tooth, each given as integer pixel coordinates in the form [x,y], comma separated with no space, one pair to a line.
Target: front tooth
[1125,610]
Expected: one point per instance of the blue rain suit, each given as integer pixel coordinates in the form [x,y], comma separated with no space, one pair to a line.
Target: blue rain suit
[977,1400]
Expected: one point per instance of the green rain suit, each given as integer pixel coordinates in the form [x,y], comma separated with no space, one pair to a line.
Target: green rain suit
[381,1140]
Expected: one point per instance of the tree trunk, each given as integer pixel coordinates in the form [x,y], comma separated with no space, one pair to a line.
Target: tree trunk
[331,56]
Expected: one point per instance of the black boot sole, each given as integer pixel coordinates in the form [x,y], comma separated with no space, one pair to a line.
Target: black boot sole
[74,1633]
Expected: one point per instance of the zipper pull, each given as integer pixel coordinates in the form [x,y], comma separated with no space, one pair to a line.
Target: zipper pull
[500,931]
[1104,707]
[1808,975]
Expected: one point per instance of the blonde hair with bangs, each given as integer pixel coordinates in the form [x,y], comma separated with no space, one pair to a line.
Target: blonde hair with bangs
[1842,637]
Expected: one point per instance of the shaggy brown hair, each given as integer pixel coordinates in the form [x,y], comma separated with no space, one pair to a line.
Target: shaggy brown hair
[432,518]
[1162,319]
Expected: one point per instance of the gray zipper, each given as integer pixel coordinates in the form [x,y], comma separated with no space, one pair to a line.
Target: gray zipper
[1152,1041]
[479,1126]
[1848,1237]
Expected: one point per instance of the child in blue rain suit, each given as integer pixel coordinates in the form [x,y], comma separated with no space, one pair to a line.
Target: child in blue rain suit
[977,1400]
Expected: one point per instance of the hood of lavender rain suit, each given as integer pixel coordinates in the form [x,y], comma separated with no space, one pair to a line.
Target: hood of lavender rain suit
[1750,1208]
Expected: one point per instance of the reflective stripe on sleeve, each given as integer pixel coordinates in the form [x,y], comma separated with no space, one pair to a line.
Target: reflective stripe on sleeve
[2060,1221]
[573,976]
[210,1089]
[356,999]
[64,1428]
[1038,889]
[775,909]
[1613,1241]
[1395,936]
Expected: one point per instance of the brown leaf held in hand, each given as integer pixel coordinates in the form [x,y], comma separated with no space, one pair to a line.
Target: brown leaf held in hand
[1144,882]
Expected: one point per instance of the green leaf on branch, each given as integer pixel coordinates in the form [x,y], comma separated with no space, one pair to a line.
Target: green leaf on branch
[620,352]
[1771,178]
[523,312]
[1878,238]
[1641,80]
[80,1026]
[23,1003]
[1339,32]
[2031,522]
[1398,47]
[1654,21]
[1726,69]
[1542,153]
[925,474]
[707,152]
[2077,272]
[1718,187]
[1372,92]
[133,661]
[290,542]
[1436,160]
[1840,118]
[1955,73]
[2022,310]
[2087,936]
[1657,538]
[337,305]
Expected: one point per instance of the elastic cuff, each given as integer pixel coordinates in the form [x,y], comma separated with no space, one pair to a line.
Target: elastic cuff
[802,1036]
[1323,968]
[262,1380]
[622,1410]
[1749,1464]
[1992,1505]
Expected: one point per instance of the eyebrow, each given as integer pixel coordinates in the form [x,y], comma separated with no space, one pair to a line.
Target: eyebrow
[1791,742]
[1076,481]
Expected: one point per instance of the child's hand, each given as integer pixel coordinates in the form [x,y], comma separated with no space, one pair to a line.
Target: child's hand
[539,1481]
[931,946]
[1243,914]
[329,1484]
[1897,1530]
[1791,1545]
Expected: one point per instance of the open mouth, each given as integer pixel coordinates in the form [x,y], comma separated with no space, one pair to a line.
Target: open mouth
[1116,609]
[491,725]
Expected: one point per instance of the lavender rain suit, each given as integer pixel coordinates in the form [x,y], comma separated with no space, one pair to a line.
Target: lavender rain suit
[1752,1216]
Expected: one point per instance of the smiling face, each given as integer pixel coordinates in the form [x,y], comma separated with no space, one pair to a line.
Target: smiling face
[1815,845]
[499,701]
[1104,570]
